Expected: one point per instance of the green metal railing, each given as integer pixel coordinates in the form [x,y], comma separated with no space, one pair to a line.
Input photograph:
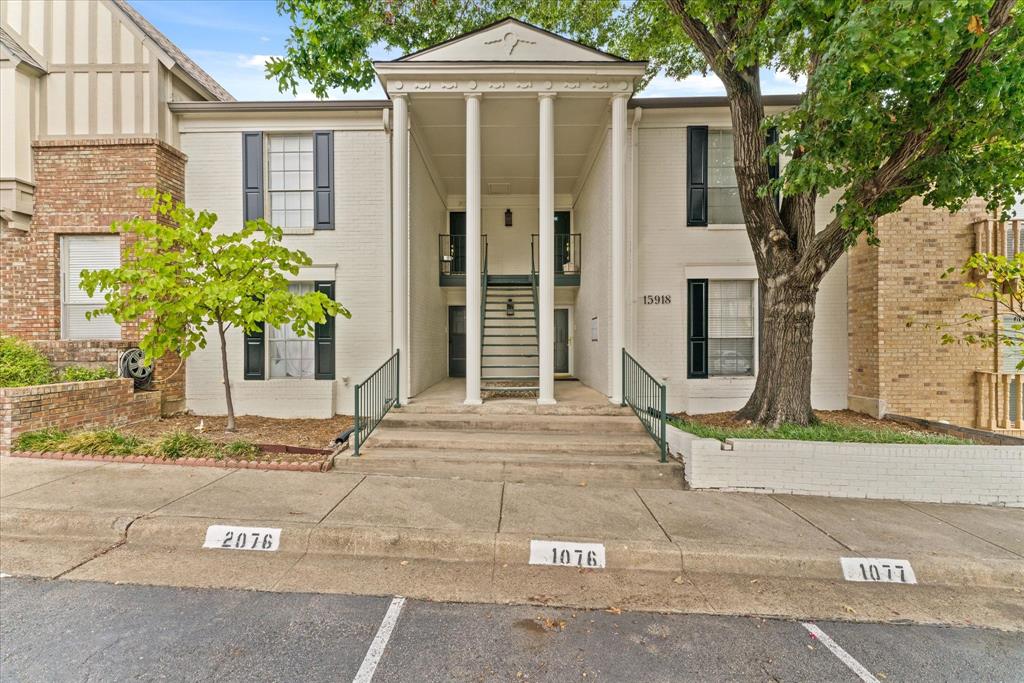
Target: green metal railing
[533,286]
[374,398]
[647,397]
[483,298]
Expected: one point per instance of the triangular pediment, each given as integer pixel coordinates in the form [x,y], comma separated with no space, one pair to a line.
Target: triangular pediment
[510,40]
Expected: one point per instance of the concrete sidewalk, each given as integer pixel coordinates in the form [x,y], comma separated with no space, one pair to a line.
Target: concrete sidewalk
[461,540]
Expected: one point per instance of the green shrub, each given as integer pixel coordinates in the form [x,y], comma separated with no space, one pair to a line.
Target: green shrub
[184,445]
[41,440]
[21,365]
[78,373]
[241,450]
[102,442]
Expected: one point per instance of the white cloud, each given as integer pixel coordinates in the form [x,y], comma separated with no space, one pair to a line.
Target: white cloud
[255,61]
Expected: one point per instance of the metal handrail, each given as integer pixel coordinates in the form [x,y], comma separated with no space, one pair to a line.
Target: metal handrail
[483,298]
[647,397]
[375,396]
[567,252]
[451,253]
[533,287]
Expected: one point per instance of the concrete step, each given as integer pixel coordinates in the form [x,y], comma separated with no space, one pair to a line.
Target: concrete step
[523,406]
[485,440]
[564,424]
[566,469]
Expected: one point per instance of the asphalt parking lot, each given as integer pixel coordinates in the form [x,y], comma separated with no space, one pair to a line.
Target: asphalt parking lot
[81,631]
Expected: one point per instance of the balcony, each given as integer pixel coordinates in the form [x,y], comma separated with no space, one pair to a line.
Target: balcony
[451,256]
[1003,238]
[567,258]
[999,403]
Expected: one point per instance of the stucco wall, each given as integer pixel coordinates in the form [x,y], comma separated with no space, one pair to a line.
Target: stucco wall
[356,254]
[669,252]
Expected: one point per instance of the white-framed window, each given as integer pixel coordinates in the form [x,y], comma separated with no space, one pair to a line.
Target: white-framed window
[732,325]
[290,355]
[723,190]
[78,253]
[290,180]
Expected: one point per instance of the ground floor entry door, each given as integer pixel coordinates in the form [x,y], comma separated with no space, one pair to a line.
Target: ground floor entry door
[456,341]
[562,340]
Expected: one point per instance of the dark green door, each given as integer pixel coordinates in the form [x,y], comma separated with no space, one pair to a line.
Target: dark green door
[562,241]
[456,341]
[562,340]
[457,231]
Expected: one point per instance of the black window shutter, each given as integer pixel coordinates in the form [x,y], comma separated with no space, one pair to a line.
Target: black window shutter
[697,175]
[323,180]
[252,176]
[254,354]
[773,167]
[697,329]
[323,338]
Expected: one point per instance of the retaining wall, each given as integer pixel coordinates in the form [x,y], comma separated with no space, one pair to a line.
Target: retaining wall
[992,475]
[73,405]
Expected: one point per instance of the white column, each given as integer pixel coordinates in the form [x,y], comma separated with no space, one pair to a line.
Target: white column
[473,249]
[618,245]
[400,239]
[546,252]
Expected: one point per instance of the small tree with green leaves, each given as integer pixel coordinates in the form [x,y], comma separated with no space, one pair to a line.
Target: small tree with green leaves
[180,278]
[998,282]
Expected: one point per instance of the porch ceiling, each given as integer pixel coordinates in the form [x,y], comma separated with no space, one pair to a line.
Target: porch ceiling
[509,140]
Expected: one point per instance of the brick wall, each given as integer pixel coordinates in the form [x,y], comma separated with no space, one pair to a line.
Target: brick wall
[992,475]
[900,369]
[82,187]
[73,405]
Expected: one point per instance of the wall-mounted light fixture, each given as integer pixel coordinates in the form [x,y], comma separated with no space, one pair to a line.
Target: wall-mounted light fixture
[510,308]
[508,218]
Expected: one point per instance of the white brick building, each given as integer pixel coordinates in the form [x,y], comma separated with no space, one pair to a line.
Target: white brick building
[573,196]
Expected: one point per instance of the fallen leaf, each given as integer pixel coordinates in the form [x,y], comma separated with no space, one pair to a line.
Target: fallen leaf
[755,580]
[849,609]
[881,675]
[583,483]
[678,579]
[404,562]
[613,610]
[974,25]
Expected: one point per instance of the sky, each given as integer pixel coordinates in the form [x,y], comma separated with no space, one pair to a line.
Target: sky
[232,39]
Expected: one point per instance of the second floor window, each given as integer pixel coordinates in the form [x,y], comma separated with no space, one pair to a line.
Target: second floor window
[290,180]
[723,193]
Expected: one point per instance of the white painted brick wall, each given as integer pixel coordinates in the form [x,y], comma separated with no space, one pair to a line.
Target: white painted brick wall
[991,475]
[428,310]
[666,247]
[359,248]
[592,218]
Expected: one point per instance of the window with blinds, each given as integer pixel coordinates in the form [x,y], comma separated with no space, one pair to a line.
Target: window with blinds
[290,180]
[78,253]
[723,192]
[731,325]
[291,356]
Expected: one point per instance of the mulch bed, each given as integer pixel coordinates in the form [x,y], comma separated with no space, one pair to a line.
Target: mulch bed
[306,433]
[842,418]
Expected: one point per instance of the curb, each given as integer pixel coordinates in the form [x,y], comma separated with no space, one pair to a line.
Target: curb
[230,463]
[492,551]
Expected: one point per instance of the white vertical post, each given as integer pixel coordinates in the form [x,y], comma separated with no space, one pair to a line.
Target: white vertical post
[546,251]
[400,239]
[473,249]
[618,245]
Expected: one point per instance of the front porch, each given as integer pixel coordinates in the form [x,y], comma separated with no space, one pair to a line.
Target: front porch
[571,396]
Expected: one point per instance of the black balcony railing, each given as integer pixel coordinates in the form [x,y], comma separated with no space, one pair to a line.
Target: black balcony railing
[567,257]
[451,255]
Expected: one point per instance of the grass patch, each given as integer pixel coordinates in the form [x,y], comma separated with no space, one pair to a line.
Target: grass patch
[112,442]
[822,431]
[41,441]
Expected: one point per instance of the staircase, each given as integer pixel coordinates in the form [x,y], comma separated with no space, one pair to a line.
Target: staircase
[516,441]
[509,359]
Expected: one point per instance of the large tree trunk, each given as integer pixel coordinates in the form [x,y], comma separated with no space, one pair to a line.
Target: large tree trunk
[227,381]
[782,392]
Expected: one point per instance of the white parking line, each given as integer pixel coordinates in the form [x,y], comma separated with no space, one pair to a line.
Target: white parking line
[844,656]
[380,641]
